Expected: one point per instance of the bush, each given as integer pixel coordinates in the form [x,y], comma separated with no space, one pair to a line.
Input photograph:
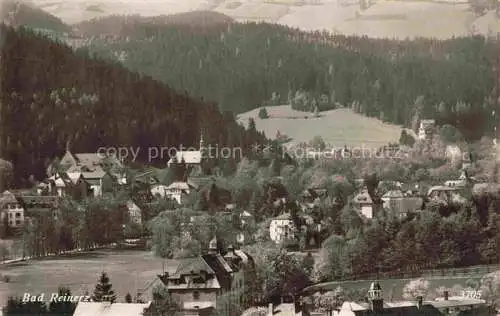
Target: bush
[263,113]
[6,278]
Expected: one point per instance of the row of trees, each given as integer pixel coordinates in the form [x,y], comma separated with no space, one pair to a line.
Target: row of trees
[73,225]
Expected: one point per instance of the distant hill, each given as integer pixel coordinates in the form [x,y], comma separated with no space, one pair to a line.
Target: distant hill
[381,19]
[124,25]
[338,127]
[20,13]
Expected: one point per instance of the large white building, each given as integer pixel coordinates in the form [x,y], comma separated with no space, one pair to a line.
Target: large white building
[426,129]
[281,228]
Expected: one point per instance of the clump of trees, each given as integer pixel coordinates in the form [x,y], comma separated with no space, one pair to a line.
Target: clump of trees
[263,113]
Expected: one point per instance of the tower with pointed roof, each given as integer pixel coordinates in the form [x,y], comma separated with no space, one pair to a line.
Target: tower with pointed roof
[375,297]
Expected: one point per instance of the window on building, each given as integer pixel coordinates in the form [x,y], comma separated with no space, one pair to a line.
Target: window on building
[241,283]
[18,222]
[18,214]
[196,295]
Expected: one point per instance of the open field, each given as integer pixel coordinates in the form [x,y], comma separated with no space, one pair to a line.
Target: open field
[384,18]
[128,271]
[338,127]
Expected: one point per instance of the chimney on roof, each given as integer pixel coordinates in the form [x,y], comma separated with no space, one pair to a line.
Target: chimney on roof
[446,295]
[420,301]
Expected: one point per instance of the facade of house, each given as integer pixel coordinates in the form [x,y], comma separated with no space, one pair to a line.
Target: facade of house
[446,194]
[177,190]
[463,181]
[134,212]
[426,129]
[110,309]
[281,228]
[444,306]
[11,210]
[199,282]
[364,203]
[284,309]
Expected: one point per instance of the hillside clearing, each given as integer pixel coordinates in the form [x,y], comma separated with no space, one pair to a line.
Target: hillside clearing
[338,127]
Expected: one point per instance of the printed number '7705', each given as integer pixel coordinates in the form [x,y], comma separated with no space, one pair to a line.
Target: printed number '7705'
[472,294]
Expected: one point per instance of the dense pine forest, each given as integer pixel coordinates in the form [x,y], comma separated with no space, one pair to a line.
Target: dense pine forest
[243,66]
[50,96]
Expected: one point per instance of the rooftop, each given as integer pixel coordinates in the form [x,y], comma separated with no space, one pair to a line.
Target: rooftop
[108,309]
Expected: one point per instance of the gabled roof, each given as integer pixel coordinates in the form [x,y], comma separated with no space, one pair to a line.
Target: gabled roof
[178,185]
[221,267]
[443,188]
[197,305]
[132,206]
[284,216]
[108,309]
[93,175]
[189,157]
[363,198]
[393,194]
[74,176]
[7,197]
[245,258]
[196,264]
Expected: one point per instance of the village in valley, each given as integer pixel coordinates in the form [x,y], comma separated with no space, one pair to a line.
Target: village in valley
[214,218]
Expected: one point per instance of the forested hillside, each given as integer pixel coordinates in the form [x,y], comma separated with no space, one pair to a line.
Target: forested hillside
[51,96]
[240,67]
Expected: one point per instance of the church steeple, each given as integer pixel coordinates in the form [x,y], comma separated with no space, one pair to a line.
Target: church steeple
[202,141]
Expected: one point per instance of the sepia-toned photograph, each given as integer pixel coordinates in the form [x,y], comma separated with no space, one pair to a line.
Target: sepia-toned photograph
[249,157]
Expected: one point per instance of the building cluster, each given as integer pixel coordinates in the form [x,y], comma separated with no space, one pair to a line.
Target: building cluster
[376,305]
[77,176]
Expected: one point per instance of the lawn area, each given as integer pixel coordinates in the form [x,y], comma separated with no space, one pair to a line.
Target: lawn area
[338,127]
[396,285]
[128,271]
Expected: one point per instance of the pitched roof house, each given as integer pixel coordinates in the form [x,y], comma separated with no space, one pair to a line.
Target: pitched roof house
[11,209]
[189,157]
[426,128]
[364,203]
[198,282]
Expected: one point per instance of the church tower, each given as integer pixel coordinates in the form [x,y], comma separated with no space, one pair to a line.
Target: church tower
[202,141]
